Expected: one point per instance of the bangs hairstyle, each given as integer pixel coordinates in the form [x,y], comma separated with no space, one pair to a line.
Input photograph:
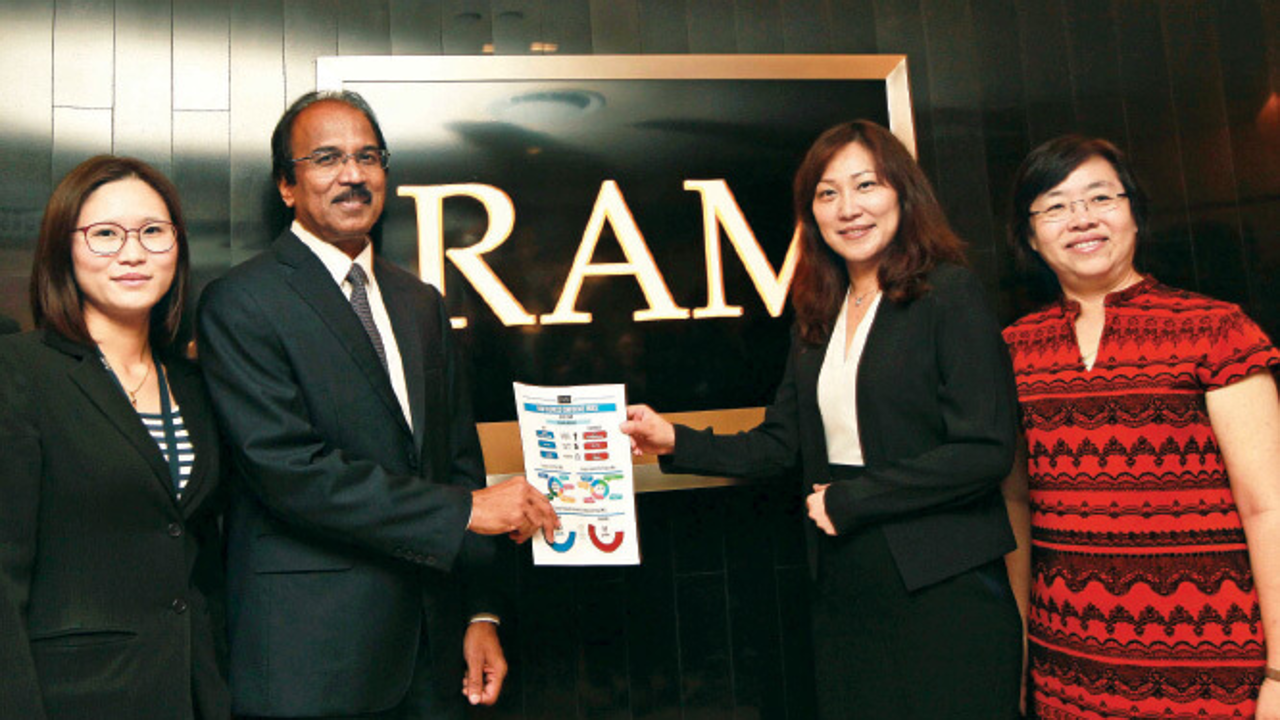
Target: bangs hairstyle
[1050,164]
[282,137]
[56,300]
[924,237]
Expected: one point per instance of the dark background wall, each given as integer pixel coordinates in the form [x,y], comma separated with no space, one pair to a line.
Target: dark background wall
[711,626]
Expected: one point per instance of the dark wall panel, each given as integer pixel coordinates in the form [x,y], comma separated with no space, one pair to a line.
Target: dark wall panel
[1253,111]
[467,26]
[758,26]
[415,27]
[807,28]
[841,26]
[1045,64]
[364,28]
[257,99]
[26,152]
[615,26]
[517,27]
[310,31]
[567,25]
[1149,104]
[900,29]
[203,171]
[1001,106]
[714,624]
[711,27]
[664,26]
[1200,115]
[960,168]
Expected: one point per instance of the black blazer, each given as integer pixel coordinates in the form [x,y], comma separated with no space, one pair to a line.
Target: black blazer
[347,529]
[109,586]
[937,420]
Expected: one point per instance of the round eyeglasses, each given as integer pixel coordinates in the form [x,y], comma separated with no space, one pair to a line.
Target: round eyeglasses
[1094,204]
[108,238]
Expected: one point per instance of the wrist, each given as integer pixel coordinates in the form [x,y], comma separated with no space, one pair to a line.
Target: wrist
[1271,673]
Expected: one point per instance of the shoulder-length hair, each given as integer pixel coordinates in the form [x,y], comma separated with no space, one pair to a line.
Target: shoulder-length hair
[924,237]
[1049,164]
[56,300]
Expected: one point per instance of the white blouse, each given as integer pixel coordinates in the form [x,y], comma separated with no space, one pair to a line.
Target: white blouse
[837,387]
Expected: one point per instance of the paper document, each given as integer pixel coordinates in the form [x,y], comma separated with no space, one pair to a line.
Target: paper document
[575,454]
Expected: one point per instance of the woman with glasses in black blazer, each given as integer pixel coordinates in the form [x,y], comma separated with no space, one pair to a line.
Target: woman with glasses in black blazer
[110,560]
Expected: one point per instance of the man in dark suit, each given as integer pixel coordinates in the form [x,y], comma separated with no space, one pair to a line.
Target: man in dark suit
[359,578]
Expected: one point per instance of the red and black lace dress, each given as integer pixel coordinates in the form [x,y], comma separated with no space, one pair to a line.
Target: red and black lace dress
[1142,600]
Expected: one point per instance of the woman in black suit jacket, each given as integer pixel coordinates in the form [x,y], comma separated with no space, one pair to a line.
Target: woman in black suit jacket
[110,567]
[897,404]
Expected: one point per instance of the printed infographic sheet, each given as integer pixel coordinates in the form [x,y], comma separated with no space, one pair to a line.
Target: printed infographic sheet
[576,455]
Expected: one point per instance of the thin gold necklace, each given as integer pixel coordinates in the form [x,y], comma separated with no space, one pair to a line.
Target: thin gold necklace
[133,394]
[859,299]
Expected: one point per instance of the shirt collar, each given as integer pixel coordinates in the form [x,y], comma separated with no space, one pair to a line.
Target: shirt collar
[334,260]
[1118,298]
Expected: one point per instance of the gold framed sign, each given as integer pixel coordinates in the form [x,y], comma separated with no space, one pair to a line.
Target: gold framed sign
[595,219]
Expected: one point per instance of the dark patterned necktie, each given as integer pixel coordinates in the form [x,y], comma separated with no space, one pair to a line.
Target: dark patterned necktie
[360,303]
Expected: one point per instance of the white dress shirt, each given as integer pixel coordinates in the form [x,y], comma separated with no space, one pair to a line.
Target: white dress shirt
[338,265]
[838,386]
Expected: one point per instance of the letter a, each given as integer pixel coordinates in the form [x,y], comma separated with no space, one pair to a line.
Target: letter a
[612,208]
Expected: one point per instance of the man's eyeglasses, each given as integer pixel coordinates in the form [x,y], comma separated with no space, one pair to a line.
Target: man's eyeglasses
[1095,204]
[331,161]
[108,238]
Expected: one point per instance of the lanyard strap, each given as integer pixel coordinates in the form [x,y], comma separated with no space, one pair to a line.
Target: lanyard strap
[166,416]
[170,431]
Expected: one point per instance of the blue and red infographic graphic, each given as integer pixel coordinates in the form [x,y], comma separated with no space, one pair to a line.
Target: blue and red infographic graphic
[575,454]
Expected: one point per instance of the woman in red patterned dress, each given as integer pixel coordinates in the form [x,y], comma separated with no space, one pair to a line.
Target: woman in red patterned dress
[1153,430]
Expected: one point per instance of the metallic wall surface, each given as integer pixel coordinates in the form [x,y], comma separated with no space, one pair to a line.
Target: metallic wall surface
[194,86]
[714,623]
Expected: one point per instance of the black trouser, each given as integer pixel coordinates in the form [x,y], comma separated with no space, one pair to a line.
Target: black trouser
[421,702]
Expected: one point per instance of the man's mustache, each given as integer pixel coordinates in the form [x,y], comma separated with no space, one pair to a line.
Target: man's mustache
[355,192]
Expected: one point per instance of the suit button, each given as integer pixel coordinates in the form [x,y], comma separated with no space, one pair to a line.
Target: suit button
[179,606]
[175,530]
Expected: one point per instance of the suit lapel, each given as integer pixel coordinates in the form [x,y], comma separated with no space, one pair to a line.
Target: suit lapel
[95,381]
[313,283]
[198,421]
[408,331]
[879,359]
[808,365]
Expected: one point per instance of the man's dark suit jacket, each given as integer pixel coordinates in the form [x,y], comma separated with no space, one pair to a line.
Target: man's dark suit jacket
[347,529]
[110,588]
[937,416]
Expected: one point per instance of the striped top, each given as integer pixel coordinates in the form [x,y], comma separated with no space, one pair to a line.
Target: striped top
[154,422]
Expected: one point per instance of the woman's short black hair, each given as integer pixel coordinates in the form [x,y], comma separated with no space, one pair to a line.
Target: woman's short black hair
[1049,164]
